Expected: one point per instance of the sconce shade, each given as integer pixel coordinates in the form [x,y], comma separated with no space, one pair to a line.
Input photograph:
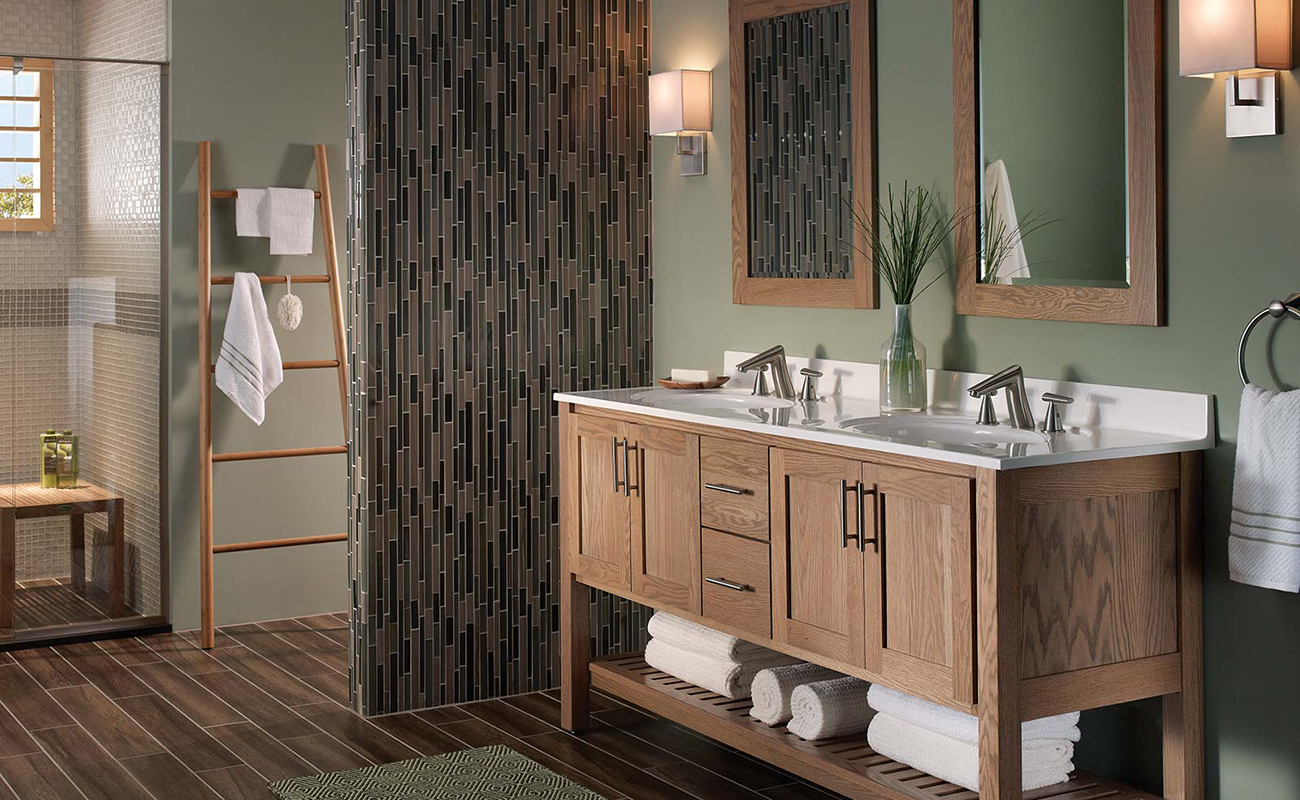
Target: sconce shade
[681,101]
[1234,35]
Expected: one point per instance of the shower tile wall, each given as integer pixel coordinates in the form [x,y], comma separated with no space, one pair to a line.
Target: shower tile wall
[83,352]
[500,250]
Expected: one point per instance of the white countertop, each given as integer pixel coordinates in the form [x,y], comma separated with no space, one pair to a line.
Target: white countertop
[1104,422]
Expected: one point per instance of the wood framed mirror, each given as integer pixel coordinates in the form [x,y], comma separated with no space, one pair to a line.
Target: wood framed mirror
[1058,137]
[802,148]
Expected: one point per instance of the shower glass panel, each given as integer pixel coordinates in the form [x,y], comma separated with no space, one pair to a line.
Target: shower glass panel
[82,545]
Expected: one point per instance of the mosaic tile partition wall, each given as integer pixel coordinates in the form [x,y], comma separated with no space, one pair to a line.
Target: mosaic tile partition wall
[800,146]
[500,250]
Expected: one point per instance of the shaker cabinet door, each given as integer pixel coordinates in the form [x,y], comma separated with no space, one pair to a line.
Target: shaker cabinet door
[665,514]
[597,523]
[918,577]
[817,600]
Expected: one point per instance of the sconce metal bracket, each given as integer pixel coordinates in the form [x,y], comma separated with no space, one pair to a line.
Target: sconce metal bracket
[1252,105]
[692,154]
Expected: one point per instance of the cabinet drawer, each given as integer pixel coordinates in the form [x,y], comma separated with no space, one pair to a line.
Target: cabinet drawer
[733,487]
[737,577]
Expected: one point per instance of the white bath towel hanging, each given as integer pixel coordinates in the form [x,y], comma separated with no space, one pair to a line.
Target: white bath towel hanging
[961,726]
[1264,533]
[291,213]
[249,365]
[826,709]
[1002,210]
[772,688]
[1044,762]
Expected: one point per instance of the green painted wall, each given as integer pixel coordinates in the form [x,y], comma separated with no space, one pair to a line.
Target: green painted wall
[1232,247]
[263,81]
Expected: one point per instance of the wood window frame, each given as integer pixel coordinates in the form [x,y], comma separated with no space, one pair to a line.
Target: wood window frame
[1143,302]
[862,290]
[43,67]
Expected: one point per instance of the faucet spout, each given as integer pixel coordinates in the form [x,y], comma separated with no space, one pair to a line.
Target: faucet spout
[774,358]
[1012,381]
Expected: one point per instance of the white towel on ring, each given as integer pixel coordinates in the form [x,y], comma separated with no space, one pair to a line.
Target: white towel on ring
[961,726]
[700,639]
[1264,534]
[1044,762]
[249,366]
[772,687]
[728,678]
[826,709]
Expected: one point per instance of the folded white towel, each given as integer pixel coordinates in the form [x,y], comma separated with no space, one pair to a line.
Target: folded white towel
[772,687]
[728,678]
[1044,762]
[700,639]
[252,217]
[963,727]
[1264,535]
[249,366]
[291,214]
[826,709]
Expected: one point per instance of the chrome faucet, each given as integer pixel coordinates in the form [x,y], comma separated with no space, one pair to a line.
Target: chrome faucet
[1012,381]
[773,358]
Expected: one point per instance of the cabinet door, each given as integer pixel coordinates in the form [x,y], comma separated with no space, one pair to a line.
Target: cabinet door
[817,598]
[665,508]
[598,525]
[918,577]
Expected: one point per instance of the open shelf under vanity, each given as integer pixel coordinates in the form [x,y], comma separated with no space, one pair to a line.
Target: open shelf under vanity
[845,764]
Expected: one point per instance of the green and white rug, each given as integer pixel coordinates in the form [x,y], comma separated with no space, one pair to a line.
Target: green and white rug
[484,773]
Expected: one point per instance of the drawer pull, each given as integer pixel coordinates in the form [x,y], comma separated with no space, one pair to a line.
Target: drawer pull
[862,517]
[739,587]
[614,463]
[722,487]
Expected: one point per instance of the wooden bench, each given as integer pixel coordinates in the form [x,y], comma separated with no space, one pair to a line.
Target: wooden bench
[30,501]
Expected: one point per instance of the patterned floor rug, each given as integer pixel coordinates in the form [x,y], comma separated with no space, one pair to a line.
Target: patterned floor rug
[484,773]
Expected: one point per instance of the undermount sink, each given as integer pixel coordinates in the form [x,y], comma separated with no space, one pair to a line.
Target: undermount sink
[952,431]
[709,400]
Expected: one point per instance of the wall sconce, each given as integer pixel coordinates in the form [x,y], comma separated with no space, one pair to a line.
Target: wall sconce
[1250,40]
[681,105]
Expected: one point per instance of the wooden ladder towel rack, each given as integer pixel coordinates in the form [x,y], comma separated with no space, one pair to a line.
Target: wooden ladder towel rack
[206,457]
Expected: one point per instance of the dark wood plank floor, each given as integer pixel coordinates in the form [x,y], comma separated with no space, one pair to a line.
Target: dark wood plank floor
[158,718]
[51,602]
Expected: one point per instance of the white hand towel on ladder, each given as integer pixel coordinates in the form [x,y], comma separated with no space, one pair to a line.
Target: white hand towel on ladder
[1001,208]
[1264,534]
[252,217]
[291,214]
[249,366]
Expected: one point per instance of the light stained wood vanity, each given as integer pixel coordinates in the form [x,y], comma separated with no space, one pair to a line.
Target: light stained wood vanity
[1011,594]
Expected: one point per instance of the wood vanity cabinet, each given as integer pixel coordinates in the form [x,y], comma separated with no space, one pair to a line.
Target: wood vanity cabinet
[1010,594]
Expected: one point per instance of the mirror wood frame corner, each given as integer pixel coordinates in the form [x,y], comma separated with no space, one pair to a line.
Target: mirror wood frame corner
[862,289]
[1143,302]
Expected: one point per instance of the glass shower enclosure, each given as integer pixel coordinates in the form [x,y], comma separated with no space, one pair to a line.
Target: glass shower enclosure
[82,346]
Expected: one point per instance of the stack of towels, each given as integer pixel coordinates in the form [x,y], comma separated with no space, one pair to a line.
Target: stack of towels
[707,658]
[811,701]
[945,742]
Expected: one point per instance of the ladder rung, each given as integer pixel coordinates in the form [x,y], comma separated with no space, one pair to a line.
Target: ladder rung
[228,280]
[329,363]
[227,194]
[254,455]
[266,544]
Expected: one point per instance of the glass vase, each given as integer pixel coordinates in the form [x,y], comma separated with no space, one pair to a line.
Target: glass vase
[902,367]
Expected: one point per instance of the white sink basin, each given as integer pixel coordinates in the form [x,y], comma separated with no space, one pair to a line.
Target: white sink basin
[707,400]
[923,429]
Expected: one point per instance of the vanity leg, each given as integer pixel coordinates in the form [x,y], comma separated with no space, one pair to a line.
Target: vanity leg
[997,576]
[575,655]
[1184,712]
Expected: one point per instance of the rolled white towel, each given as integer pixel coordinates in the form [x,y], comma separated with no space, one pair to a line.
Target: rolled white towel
[700,639]
[772,687]
[827,709]
[1044,762]
[728,678]
[963,727]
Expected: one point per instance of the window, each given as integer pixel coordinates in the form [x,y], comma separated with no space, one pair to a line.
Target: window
[27,145]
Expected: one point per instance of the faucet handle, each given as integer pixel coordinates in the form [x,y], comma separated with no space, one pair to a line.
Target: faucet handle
[809,391]
[1052,422]
[987,416]
[760,382]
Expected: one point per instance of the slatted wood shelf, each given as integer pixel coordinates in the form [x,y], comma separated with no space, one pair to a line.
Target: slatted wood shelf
[845,765]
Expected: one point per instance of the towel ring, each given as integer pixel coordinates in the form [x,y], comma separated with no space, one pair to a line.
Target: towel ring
[1276,309]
